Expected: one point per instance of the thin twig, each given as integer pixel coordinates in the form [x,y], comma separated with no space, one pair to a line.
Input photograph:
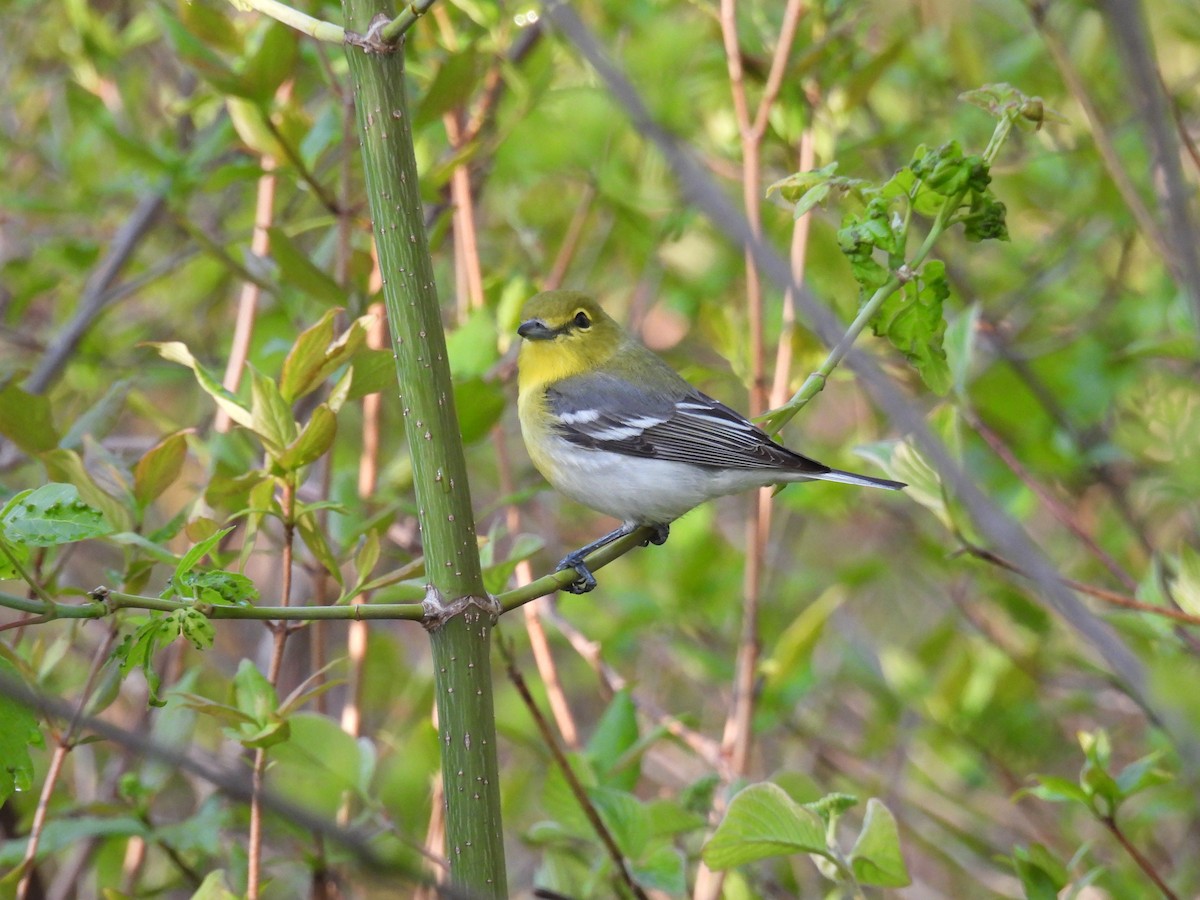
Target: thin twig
[247,309]
[293,18]
[573,782]
[1110,597]
[406,19]
[1138,857]
[1057,508]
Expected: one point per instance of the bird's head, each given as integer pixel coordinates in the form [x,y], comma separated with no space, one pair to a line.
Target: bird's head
[565,333]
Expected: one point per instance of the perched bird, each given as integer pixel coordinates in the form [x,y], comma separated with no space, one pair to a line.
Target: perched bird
[611,425]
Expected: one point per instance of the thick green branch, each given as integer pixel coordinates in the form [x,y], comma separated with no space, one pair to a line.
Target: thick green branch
[460,615]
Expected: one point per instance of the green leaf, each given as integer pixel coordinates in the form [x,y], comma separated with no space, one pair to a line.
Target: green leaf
[661,869]
[176,352]
[214,887]
[794,648]
[194,626]
[137,650]
[314,540]
[318,764]
[763,821]
[374,372]
[270,415]
[297,270]
[911,318]
[271,63]
[876,858]
[452,86]
[67,466]
[254,696]
[313,443]
[100,418]
[158,468]
[26,420]
[20,731]
[1042,875]
[219,586]
[472,346]
[1057,790]
[479,405]
[1142,774]
[198,552]
[986,220]
[616,733]
[50,515]
[305,359]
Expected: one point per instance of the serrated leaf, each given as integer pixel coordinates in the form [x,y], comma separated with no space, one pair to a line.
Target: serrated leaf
[314,441]
[177,352]
[763,821]
[20,731]
[912,319]
[50,515]
[195,626]
[27,420]
[876,858]
[158,468]
[231,588]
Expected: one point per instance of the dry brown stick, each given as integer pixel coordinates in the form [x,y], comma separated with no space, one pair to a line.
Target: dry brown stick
[247,308]
[1056,508]
[1111,597]
[573,782]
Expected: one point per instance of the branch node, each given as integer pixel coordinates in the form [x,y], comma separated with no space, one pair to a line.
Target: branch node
[438,611]
[373,41]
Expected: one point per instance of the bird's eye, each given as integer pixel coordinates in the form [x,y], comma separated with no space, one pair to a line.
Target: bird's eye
[581,320]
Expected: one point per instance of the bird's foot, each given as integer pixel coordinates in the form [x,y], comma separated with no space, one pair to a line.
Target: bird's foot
[586,580]
[659,537]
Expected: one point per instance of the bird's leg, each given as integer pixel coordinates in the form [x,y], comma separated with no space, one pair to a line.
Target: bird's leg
[586,580]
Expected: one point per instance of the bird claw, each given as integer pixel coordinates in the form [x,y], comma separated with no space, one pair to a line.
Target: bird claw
[586,580]
[661,532]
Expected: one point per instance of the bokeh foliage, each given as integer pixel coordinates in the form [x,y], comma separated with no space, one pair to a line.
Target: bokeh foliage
[894,665]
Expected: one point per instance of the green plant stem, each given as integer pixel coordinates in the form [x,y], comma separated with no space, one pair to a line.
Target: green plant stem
[774,420]
[49,604]
[460,615]
[407,17]
[293,18]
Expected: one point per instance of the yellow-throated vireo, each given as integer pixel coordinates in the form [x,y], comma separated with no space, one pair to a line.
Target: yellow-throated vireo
[611,425]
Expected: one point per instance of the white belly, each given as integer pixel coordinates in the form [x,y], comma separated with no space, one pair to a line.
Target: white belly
[643,491]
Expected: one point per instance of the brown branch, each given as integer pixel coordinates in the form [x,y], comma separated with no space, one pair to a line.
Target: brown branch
[1138,857]
[573,782]
[1111,597]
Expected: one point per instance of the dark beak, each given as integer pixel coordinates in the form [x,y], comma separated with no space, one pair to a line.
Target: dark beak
[536,330]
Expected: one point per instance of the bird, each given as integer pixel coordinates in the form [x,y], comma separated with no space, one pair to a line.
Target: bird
[612,426]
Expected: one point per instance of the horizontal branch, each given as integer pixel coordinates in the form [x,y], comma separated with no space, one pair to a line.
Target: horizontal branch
[293,18]
[104,602]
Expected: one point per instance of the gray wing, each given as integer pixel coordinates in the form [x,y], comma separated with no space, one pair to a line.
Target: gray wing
[605,413]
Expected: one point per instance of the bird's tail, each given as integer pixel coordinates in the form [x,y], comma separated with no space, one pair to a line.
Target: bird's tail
[861,480]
